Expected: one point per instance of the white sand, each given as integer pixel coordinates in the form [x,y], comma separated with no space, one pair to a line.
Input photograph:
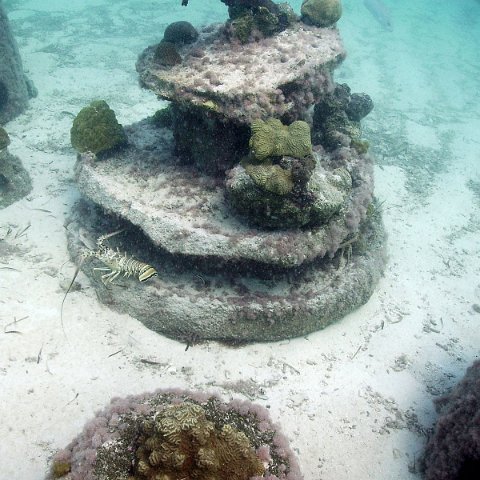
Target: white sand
[356,398]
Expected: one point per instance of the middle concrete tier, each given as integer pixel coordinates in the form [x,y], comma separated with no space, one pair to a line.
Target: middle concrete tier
[185,212]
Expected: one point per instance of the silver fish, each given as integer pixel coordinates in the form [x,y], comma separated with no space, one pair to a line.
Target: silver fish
[380,12]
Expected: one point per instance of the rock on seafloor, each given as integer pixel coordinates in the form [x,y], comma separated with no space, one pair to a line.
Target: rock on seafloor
[15,182]
[15,88]
[186,213]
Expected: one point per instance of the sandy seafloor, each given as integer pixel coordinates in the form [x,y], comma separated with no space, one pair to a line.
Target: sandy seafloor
[356,399]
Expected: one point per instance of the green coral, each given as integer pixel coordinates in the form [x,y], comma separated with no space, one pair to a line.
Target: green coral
[361,146]
[314,204]
[337,125]
[180,442]
[287,14]
[96,129]
[4,139]
[273,139]
[163,118]
[322,13]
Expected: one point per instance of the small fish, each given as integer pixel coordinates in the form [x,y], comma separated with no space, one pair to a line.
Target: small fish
[380,12]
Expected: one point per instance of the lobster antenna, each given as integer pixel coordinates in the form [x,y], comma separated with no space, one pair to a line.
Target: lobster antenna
[66,293]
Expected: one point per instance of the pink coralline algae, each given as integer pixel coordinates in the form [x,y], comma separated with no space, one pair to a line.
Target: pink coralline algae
[453,452]
[120,442]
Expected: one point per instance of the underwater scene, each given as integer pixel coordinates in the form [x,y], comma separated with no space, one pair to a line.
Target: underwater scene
[239,239]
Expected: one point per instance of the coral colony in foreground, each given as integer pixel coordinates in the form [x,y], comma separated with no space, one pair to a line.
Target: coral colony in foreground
[453,452]
[250,195]
[175,435]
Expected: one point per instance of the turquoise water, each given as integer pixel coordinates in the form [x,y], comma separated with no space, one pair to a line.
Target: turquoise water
[366,383]
[425,70]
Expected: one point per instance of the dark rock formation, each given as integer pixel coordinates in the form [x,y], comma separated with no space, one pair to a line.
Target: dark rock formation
[15,183]
[15,88]
[453,452]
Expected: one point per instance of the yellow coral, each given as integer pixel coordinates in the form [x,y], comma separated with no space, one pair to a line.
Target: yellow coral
[182,443]
[273,139]
[60,469]
[271,178]
[210,105]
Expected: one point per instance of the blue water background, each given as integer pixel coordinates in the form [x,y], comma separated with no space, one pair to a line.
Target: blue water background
[424,77]
[426,69]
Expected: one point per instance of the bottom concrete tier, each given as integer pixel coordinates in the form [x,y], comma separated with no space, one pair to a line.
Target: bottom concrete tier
[244,302]
[15,182]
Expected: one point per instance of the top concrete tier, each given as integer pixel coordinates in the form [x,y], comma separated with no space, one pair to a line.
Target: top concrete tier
[274,77]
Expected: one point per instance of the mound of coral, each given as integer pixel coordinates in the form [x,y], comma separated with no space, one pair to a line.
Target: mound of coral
[174,435]
[251,194]
[453,452]
[96,129]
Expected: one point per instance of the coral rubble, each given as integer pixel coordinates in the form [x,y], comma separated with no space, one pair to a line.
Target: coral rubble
[172,435]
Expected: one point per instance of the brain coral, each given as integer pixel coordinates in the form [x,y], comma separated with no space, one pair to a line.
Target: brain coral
[174,435]
[273,139]
[179,442]
[271,178]
[96,129]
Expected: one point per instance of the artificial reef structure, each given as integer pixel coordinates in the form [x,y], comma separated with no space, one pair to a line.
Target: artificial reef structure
[15,91]
[15,88]
[250,196]
[175,435]
[15,182]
